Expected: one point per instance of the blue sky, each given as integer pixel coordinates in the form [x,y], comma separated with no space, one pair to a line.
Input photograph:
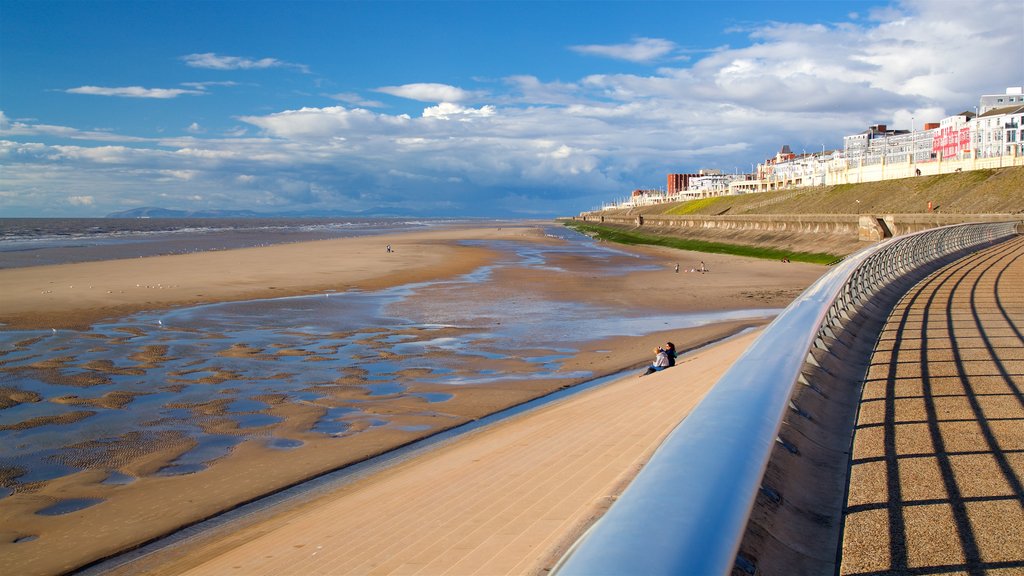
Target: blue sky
[486,108]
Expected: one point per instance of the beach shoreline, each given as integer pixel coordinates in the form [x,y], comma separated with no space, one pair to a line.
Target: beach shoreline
[154,505]
[75,296]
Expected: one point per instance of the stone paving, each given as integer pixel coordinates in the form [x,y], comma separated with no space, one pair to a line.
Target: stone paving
[937,476]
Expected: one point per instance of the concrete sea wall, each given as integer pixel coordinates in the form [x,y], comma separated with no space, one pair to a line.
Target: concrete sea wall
[869,228]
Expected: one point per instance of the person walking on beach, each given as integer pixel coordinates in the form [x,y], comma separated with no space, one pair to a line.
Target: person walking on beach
[660,362]
[677,267]
[703,269]
[670,352]
[389,248]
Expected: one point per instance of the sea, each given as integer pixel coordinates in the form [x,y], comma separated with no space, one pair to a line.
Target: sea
[42,241]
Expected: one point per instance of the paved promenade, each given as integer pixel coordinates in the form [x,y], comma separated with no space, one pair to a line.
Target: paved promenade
[938,459]
[506,499]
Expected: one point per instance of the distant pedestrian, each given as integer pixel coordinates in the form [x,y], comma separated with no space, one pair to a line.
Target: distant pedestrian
[677,268]
[703,268]
[389,248]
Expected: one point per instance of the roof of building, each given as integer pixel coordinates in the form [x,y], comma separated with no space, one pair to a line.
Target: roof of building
[1004,110]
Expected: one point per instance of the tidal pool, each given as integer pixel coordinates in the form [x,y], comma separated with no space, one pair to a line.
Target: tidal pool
[216,375]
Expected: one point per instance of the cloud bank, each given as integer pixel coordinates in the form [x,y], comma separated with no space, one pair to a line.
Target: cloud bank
[213,61]
[132,91]
[639,50]
[527,145]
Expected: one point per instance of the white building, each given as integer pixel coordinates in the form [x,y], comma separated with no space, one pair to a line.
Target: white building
[710,185]
[998,132]
[992,138]
[1014,96]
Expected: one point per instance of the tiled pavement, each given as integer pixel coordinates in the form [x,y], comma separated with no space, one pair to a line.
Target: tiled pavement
[937,477]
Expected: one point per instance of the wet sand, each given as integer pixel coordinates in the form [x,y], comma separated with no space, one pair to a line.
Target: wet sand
[507,499]
[73,296]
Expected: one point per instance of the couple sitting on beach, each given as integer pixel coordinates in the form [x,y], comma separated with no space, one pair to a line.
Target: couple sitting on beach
[664,357]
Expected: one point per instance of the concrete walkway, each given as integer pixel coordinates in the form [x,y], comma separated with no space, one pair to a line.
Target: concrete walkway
[938,459]
[506,499]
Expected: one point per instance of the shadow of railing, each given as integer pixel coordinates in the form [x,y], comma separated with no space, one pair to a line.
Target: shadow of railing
[942,421]
[763,459]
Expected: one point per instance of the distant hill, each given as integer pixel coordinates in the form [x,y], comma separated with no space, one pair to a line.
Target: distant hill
[150,212]
[154,212]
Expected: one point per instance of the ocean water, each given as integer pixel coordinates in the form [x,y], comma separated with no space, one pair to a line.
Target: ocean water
[41,241]
[209,377]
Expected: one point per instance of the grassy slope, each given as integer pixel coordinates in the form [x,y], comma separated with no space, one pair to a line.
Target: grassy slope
[632,237]
[977,192]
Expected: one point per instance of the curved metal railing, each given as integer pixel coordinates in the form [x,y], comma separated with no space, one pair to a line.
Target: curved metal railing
[687,510]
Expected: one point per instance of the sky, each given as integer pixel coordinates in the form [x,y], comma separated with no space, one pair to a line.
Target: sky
[470,108]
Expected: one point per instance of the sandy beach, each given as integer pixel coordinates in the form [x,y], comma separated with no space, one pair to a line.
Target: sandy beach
[507,499]
[74,296]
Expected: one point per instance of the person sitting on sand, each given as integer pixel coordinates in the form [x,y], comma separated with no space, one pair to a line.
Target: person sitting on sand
[670,352]
[660,362]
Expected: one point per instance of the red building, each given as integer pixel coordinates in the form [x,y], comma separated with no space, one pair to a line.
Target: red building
[678,183]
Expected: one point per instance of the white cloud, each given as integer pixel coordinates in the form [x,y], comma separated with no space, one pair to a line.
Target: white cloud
[180,174]
[194,128]
[332,123]
[213,61]
[20,128]
[354,99]
[531,89]
[428,92]
[557,145]
[449,111]
[205,85]
[81,200]
[132,91]
[640,50]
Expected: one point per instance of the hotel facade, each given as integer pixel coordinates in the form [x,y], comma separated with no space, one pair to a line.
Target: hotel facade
[991,136]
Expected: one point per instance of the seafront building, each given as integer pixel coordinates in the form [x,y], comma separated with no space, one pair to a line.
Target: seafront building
[992,136]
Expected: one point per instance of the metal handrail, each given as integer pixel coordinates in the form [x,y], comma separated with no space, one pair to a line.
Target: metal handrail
[687,510]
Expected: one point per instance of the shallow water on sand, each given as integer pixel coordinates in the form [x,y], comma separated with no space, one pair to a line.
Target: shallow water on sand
[206,378]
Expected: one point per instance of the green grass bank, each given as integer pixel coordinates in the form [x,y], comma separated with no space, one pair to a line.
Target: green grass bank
[612,234]
[947,196]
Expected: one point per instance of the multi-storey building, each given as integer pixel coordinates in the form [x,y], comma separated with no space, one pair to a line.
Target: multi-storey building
[708,185]
[992,137]
[998,132]
[678,183]
[1013,96]
[951,139]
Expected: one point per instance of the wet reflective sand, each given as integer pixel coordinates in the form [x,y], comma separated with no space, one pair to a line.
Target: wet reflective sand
[245,396]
